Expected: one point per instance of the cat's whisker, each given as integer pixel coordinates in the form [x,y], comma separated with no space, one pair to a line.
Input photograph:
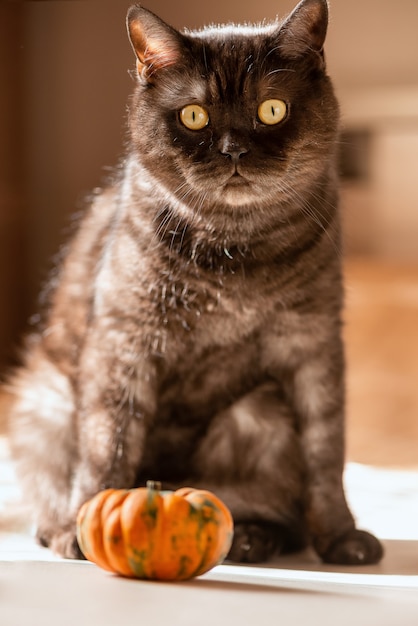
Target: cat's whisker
[272,50]
[312,214]
[174,234]
[160,232]
[279,70]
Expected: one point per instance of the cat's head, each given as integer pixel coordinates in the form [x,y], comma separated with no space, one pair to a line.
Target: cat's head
[232,118]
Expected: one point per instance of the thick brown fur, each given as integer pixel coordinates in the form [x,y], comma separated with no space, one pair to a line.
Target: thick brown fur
[194,331]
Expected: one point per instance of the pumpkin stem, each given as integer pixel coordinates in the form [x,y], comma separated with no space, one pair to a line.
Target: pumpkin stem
[154,484]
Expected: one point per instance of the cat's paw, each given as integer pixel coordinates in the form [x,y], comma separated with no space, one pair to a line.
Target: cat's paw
[63,543]
[252,543]
[356,547]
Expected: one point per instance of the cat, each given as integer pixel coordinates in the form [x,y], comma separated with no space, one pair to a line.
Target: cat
[193,332]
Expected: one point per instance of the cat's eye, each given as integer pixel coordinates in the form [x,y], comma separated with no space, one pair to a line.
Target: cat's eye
[272,111]
[194,117]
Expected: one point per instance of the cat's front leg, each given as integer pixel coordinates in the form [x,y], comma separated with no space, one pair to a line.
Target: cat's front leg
[116,400]
[309,362]
[318,396]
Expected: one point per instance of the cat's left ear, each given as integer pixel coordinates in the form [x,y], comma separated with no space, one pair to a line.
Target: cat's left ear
[305,29]
[155,43]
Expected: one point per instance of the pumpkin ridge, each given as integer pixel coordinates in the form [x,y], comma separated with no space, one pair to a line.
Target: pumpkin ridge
[90,529]
[212,511]
[139,529]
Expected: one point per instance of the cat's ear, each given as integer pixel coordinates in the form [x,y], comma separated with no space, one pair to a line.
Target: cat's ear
[305,29]
[155,43]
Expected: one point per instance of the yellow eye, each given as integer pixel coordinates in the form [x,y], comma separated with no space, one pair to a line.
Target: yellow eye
[272,111]
[194,117]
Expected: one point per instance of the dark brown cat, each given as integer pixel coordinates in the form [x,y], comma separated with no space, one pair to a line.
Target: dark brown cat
[194,333]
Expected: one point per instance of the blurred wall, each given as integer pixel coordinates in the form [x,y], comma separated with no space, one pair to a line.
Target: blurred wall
[63,97]
[13,261]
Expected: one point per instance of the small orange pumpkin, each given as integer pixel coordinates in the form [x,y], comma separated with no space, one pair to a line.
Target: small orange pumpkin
[149,533]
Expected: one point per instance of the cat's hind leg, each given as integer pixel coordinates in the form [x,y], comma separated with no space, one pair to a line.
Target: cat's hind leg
[251,458]
[44,447]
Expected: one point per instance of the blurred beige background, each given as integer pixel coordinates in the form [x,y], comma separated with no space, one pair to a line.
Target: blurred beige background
[64,86]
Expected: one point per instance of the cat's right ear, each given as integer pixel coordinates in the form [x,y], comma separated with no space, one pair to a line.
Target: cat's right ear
[304,31]
[155,43]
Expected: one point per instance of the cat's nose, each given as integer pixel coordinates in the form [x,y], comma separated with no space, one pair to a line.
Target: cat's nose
[232,146]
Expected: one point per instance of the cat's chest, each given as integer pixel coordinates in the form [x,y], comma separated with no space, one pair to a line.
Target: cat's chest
[196,316]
